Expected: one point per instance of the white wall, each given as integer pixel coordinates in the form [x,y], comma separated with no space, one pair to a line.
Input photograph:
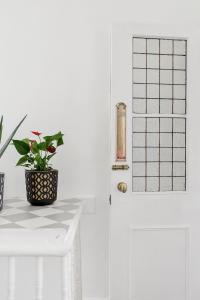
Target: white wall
[54,65]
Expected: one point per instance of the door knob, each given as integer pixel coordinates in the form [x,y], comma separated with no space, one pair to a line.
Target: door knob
[122,187]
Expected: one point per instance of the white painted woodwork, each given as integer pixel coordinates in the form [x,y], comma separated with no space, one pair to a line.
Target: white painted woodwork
[40,274]
[11,280]
[67,277]
[77,268]
[39,246]
[71,272]
[154,236]
[40,242]
[150,267]
[71,284]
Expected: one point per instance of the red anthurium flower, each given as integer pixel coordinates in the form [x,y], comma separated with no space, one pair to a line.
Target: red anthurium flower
[51,149]
[36,133]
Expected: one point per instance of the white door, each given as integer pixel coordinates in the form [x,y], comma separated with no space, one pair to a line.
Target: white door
[155,224]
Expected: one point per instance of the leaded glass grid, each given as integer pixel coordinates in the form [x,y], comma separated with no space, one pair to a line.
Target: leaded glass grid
[159,75]
[159,114]
[159,154]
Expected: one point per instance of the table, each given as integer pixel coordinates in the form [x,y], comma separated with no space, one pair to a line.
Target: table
[40,231]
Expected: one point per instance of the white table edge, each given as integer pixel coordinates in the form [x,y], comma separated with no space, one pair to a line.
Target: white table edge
[39,242]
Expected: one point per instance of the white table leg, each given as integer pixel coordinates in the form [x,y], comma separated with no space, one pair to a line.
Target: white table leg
[77,267]
[11,278]
[67,277]
[39,287]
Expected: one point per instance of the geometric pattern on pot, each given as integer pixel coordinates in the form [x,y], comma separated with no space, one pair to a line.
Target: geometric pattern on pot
[41,185]
[18,213]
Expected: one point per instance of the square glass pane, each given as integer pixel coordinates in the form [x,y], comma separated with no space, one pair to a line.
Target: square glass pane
[139,90]
[152,45]
[152,184]
[166,76]
[166,91]
[166,62]
[179,77]
[165,46]
[152,61]
[166,106]
[138,139]
[179,154]
[138,169]
[179,91]
[139,124]
[179,107]
[139,106]
[165,169]
[178,140]
[139,154]
[152,169]
[139,45]
[139,60]
[152,154]
[180,47]
[138,184]
[179,184]
[179,62]
[165,124]
[165,139]
[139,75]
[165,184]
[152,91]
[152,124]
[178,169]
[179,124]
[152,76]
[152,139]
[165,154]
[152,106]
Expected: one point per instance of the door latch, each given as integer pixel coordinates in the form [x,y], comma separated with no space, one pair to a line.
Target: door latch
[120,167]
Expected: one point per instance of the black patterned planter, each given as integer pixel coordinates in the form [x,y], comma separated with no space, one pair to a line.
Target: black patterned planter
[2,177]
[41,186]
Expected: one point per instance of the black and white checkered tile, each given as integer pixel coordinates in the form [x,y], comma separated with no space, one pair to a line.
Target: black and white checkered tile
[18,213]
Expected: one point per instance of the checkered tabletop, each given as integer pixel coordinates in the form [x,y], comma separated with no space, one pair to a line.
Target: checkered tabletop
[18,213]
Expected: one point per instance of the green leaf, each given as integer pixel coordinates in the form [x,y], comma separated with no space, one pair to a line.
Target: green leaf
[26,165]
[21,147]
[30,159]
[48,140]
[1,128]
[42,146]
[34,148]
[26,140]
[60,142]
[3,149]
[50,156]
[37,158]
[22,160]
[56,137]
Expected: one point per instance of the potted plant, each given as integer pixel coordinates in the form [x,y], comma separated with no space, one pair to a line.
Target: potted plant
[41,178]
[2,150]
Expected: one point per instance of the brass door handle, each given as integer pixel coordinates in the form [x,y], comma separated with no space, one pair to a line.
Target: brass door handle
[122,187]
